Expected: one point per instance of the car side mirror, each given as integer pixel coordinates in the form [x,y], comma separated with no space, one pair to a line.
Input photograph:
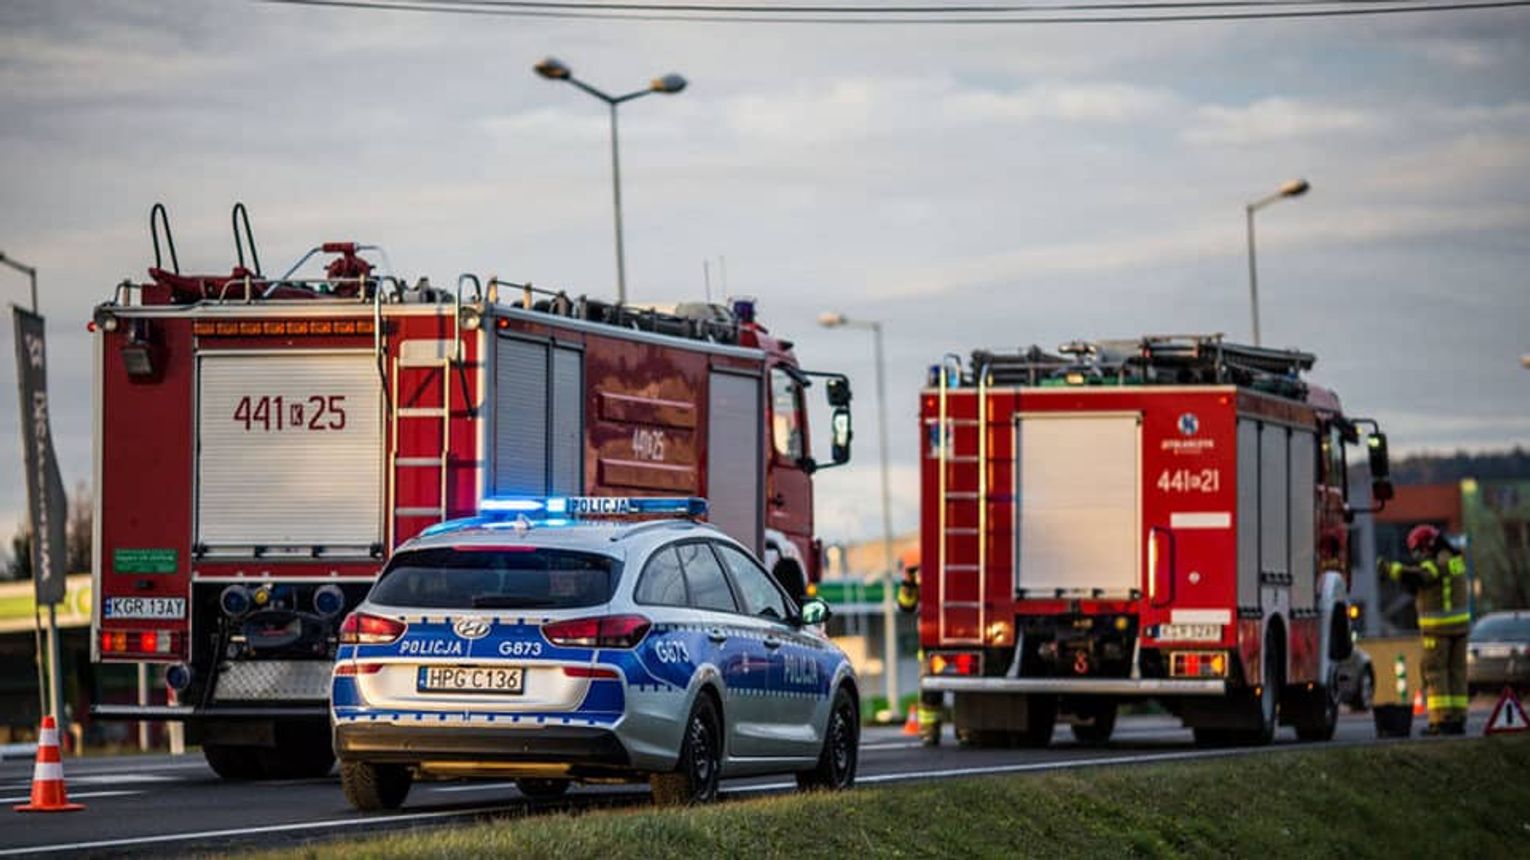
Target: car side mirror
[814,612]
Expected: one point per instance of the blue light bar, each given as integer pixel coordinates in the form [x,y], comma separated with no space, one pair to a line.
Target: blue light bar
[598,506]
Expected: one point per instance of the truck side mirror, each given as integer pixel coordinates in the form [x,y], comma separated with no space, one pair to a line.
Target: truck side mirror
[1381,471]
[838,391]
[842,434]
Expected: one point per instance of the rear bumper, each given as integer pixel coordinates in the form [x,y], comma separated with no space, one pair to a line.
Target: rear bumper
[189,713]
[578,747]
[1079,686]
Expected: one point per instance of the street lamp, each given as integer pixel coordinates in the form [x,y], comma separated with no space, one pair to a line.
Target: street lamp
[29,271]
[555,70]
[1292,188]
[831,319]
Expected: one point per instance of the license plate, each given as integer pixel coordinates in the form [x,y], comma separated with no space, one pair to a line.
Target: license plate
[469,679]
[1494,651]
[1190,633]
[144,607]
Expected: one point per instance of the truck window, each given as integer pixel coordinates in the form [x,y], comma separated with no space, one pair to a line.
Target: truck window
[786,415]
[445,578]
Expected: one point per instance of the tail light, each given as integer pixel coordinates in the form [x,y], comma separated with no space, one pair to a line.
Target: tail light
[608,631]
[146,642]
[590,672]
[351,667]
[960,663]
[1198,664]
[360,628]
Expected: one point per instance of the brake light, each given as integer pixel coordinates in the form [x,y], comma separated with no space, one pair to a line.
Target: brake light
[359,628]
[144,642]
[961,663]
[1198,664]
[353,668]
[590,672]
[607,631]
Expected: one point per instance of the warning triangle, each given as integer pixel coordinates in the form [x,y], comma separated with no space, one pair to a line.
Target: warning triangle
[1508,715]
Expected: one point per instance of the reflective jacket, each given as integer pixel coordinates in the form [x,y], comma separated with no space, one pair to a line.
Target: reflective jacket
[1441,598]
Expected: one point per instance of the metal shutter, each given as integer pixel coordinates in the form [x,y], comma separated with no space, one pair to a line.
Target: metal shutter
[1274,496]
[734,424]
[1303,519]
[289,450]
[1248,512]
[1077,482]
[567,446]
[520,417]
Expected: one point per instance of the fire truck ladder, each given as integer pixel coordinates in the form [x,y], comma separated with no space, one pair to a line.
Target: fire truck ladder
[401,416]
[945,435]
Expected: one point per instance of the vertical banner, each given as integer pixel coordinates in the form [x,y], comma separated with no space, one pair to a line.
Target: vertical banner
[45,487]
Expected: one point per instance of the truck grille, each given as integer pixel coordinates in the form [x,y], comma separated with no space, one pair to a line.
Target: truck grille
[286,680]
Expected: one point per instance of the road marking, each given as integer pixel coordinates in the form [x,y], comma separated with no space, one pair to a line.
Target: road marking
[906,745]
[73,795]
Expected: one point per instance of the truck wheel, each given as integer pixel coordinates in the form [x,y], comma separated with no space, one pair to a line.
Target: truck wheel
[1266,705]
[1365,694]
[694,779]
[371,787]
[303,751]
[1040,721]
[543,789]
[1318,715]
[234,762]
[1101,724]
[841,748]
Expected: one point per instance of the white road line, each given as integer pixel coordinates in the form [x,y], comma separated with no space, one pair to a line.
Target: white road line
[73,795]
[906,745]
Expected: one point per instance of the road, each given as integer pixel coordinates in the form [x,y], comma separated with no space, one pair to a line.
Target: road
[153,804]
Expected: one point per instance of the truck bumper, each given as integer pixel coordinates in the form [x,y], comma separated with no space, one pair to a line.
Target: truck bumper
[1079,686]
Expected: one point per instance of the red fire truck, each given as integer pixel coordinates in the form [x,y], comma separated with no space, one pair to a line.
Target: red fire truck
[263,443]
[1157,518]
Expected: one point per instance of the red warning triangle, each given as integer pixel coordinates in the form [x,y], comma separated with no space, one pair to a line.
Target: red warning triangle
[1508,715]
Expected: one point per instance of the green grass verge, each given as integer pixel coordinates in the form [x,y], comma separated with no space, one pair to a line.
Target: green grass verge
[1457,799]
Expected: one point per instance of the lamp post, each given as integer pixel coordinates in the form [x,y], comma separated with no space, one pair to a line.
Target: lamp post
[831,319]
[47,687]
[670,84]
[1293,188]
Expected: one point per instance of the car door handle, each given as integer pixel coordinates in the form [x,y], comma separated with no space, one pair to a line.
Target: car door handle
[717,636]
[772,642]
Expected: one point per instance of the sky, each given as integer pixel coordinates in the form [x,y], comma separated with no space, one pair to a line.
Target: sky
[968,187]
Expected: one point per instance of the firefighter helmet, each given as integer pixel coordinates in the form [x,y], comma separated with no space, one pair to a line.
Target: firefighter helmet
[1423,538]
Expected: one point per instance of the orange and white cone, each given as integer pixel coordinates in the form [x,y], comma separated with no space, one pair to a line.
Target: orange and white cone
[48,794]
[911,725]
[1418,704]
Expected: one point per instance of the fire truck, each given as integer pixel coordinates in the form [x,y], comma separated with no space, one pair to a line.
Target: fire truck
[264,442]
[1160,518]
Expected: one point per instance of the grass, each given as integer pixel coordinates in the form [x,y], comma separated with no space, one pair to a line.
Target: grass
[1456,799]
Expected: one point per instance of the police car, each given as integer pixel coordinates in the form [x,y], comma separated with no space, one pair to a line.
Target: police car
[581,639]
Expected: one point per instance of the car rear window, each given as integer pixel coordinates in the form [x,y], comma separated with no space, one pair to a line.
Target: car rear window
[496,578]
[1503,628]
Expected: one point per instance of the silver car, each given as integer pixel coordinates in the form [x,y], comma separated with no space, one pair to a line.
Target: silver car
[560,650]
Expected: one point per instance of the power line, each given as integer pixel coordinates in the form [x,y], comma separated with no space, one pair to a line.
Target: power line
[680,9]
[1248,10]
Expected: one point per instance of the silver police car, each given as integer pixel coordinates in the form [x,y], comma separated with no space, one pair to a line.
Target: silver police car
[541,645]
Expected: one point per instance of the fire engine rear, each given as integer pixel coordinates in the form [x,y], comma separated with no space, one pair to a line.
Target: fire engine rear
[1158,518]
[262,443]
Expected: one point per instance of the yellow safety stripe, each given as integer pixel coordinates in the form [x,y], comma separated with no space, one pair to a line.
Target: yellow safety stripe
[1396,569]
[1430,568]
[1432,620]
[1457,565]
[1441,703]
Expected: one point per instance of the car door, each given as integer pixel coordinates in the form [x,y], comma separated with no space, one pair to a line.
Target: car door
[786,728]
[729,644]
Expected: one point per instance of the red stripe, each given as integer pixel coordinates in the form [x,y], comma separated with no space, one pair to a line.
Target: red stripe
[48,755]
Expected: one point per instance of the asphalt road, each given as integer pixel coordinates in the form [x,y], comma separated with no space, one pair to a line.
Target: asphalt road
[154,804]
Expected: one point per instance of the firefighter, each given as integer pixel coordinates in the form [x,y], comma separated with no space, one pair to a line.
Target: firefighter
[931,702]
[1440,593]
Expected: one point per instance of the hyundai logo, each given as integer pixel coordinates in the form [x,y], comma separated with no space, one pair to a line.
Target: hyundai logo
[1189,424]
[472,628]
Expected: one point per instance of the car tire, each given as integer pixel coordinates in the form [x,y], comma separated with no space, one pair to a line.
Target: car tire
[234,762]
[841,748]
[695,777]
[373,787]
[1365,692]
[543,789]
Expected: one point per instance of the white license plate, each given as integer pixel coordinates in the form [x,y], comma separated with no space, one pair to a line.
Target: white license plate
[469,679]
[1190,633]
[1495,651]
[144,607]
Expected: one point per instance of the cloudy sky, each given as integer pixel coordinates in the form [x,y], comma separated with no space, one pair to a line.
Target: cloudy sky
[968,186]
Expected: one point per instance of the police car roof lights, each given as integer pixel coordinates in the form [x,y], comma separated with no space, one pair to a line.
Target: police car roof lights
[596,506]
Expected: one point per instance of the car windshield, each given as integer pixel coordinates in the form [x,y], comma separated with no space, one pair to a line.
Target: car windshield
[1502,628]
[496,578]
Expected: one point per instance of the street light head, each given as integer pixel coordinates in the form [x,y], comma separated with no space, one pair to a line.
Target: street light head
[553,69]
[1294,188]
[831,319]
[669,84]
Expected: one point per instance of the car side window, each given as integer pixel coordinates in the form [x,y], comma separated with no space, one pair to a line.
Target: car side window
[662,582]
[761,597]
[704,576]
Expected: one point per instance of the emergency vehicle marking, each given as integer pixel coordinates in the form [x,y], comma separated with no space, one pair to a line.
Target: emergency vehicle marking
[1190,481]
[648,444]
[317,413]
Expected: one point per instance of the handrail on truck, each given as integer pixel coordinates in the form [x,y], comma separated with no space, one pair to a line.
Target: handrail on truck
[940,452]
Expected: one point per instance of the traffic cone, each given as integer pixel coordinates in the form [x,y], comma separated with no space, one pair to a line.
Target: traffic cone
[911,725]
[48,794]
[1418,704]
